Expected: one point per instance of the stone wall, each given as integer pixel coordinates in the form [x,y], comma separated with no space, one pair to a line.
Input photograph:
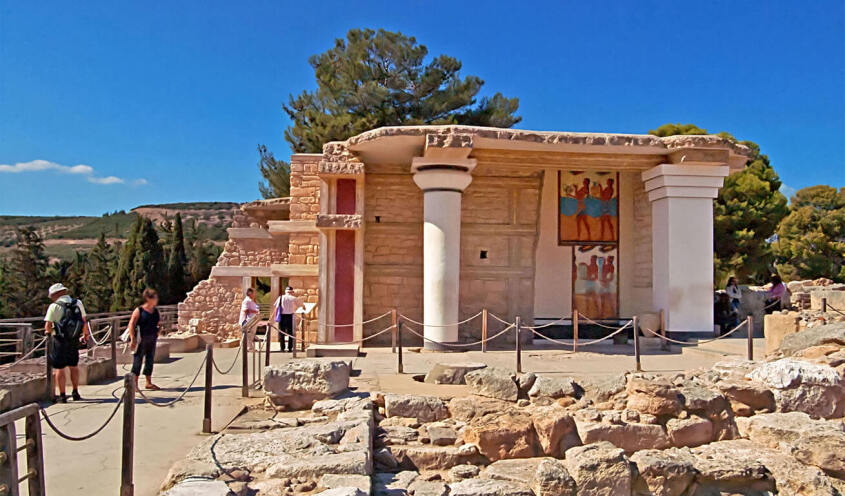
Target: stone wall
[253,253]
[500,210]
[216,302]
[304,248]
[642,235]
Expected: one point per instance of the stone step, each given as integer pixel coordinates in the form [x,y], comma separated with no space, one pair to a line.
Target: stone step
[332,350]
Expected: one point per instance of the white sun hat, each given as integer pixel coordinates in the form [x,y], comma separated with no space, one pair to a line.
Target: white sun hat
[55,288]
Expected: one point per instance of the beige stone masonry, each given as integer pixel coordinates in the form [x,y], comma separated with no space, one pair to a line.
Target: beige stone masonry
[339,221]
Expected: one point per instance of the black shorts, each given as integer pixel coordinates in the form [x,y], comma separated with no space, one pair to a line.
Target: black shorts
[63,354]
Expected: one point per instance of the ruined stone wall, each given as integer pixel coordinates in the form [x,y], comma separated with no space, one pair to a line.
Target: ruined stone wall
[304,248]
[253,253]
[216,302]
[499,216]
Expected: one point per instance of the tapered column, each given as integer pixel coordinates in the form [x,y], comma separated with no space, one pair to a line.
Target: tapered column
[442,183]
[682,242]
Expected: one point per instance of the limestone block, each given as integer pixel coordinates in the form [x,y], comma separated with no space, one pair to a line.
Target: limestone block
[778,325]
[299,384]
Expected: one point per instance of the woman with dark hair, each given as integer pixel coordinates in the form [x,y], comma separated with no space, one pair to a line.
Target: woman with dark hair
[143,335]
[734,293]
[775,294]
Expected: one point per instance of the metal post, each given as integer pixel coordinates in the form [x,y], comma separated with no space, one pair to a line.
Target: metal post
[575,330]
[518,346]
[244,363]
[209,377]
[824,305]
[115,329]
[749,327]
[293,336]
[636,326]
[127,487]
[393,320]
[35,454]
[47,352]
[483,330]
[400,368]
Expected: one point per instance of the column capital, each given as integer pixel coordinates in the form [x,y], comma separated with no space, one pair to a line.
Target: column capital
[684,181]
[439,174]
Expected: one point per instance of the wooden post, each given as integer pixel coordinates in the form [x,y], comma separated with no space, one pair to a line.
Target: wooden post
[824,305]
[636,326]
[127,486]
[115,330]
[664,345]
[575,330]
[9,467]
[25,335]
[268,341]
[47,351]
[483,330]
[400,368]
[749,327]
[209,377]
[518,346]
[393,321]
[293,328]
[35,454]
[244,363]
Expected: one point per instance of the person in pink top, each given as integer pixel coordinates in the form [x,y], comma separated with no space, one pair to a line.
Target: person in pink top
[248,307]
[775,294]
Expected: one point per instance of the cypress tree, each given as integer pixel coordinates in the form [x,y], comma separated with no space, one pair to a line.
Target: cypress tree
[122,284]
[27,275]
[97,283]
[177,263]
[149,266]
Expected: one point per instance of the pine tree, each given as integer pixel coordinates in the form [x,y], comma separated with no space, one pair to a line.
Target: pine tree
[27,275]
[97,284]
[811,239]
[276,174]
[5,290]
[177,263]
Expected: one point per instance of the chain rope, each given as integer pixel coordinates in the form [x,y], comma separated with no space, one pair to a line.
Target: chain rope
[87,436]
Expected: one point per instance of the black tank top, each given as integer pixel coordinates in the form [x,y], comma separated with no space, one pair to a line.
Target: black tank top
[148,323]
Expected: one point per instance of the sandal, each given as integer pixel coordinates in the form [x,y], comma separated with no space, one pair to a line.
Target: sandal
[152,387]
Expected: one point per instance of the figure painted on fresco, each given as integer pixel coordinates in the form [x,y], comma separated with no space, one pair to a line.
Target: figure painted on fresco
[588,207]
[595,282]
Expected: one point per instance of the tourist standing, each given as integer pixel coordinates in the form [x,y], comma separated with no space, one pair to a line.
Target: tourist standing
[724,314]
[143,336]
[285,307]
[734,293]
[248,307]
[775,294]
[67,327]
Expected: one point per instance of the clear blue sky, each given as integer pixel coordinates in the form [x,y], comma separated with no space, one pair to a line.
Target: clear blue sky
[166,101]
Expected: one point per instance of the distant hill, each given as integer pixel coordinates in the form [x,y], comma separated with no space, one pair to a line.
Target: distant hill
[65,235]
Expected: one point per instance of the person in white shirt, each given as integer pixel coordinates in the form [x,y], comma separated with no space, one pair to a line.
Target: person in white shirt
[248,307]
[285,306]
[734,293]
[66,326]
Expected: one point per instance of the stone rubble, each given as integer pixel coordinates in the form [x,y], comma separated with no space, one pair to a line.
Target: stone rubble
[738,428]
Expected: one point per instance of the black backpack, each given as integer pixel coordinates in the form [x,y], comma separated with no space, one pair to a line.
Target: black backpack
[69,327]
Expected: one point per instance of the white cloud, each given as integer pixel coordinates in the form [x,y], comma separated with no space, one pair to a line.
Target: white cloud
[788,191]
[80,169]
[105,180]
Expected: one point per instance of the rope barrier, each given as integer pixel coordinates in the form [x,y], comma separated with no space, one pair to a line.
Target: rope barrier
[181,395]
[362,323]
[460,345]
[105,336]
[87,436]
[584,343]
[499,318]
[534,328]
[237,355]
[829,307]
[32,351]
[582,316]
[403,316]
[700,341]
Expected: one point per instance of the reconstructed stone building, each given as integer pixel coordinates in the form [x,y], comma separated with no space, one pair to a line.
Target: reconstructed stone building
[442,221]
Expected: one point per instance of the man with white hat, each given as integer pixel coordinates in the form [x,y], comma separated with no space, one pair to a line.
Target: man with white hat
[67,327]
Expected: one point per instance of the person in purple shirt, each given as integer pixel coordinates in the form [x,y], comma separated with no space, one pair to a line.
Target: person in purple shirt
[775,294]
